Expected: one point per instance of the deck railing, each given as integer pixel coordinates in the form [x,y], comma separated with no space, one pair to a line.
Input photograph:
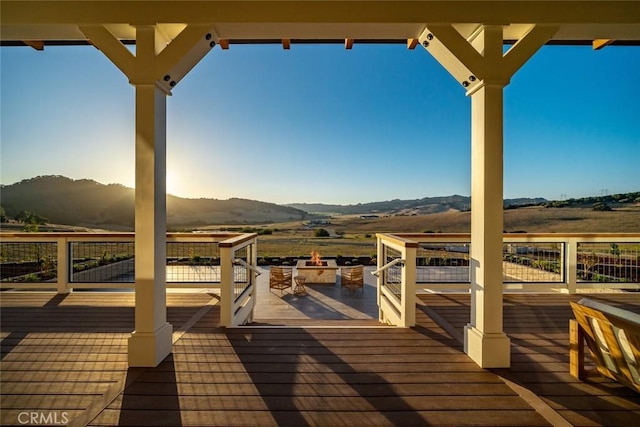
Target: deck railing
[396,275]
[531,261]
[67,261]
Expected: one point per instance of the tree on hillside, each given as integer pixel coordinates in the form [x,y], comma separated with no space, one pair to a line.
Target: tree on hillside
[30,220]
[600,206]
[3,215]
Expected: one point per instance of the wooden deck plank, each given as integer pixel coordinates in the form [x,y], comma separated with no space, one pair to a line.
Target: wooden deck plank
[322,378]
[290,402]
[324,388]
[321,418]
[601,418]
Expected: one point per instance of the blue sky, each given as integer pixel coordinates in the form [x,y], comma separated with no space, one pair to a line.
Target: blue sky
[319,123]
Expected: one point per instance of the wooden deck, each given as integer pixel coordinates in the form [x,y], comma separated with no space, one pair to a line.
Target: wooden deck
[65,357]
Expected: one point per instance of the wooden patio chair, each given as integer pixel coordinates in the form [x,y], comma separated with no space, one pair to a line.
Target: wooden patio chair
[613,337]
[352,277]
[280,278]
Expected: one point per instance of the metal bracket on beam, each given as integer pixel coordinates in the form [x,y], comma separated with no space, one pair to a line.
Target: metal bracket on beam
[183,53]
[454,63]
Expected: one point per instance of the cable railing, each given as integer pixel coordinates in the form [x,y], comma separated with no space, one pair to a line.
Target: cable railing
[532,261]
[68,261]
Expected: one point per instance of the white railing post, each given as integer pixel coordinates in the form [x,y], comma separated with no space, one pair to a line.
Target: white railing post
[226,286]
[64,265]
[408,290]
[380,261]
[571,265]
[253,273]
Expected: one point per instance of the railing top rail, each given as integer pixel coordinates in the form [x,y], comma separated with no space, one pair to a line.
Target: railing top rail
[403,238]
[412,236]
[398,239]
[237,239]
[55,235]
[581,236]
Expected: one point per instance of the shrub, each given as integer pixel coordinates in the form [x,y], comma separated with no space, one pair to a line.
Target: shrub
[603,207]
[321,232]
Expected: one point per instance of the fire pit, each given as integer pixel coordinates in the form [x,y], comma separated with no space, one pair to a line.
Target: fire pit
[317,270]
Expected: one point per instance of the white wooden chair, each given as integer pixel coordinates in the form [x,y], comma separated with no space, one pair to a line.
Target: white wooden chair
[352,277]
[613,338]
[280,278]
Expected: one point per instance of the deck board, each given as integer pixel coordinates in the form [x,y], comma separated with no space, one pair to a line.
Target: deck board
[300,375]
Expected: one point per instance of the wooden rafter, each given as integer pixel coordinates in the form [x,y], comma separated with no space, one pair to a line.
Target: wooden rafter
[348,43]
[286,44]
[36,44]
[224,43]
[600,43]
[412,43]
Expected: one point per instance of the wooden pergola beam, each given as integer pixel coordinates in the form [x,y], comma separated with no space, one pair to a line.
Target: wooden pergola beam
[286,44]
[348,43]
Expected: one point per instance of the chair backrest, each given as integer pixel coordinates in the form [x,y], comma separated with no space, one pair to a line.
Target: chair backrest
[356,273]
[352,275]
[613,336]
[281,272]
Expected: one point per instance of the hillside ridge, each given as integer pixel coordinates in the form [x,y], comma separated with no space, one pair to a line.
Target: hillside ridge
[87,203]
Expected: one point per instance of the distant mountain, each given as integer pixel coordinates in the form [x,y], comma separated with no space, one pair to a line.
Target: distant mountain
[87,203]
[90,204]
[422,206]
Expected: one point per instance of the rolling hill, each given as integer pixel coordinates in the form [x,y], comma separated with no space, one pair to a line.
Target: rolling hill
[87,203]
[422,206]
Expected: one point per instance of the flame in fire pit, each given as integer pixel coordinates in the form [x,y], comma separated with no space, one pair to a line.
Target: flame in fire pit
[315,258]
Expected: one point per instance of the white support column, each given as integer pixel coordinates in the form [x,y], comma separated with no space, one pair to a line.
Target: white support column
[154,70]
[480,66]
[484,339]
[150,343]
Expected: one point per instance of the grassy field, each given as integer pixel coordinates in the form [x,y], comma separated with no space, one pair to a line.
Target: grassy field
[352,236]
[358,235]
[531,220]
